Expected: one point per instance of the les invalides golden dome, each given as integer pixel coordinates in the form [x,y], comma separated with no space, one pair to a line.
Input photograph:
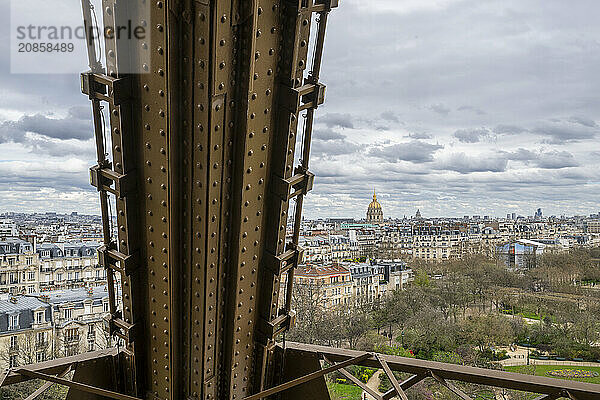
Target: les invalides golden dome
[374,212]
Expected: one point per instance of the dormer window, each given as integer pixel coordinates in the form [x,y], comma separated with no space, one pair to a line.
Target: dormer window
[40,317]
[13,321]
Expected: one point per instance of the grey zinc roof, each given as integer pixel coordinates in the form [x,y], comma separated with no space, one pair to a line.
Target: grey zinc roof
[14,246]
[22,303]
[75,295]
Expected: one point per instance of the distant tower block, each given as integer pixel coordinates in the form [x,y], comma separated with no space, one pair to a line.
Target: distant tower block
[418,215]
[374,212]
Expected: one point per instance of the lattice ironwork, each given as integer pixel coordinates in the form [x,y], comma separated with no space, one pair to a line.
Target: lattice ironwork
[202,172]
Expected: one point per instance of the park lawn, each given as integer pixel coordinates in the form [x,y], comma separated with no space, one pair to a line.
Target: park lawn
[339,391]
[540,370]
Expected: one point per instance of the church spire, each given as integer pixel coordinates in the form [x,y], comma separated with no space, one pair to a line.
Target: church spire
[374,195]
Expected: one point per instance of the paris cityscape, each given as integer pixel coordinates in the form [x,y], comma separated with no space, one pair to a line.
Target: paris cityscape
[290,199]
[478,290]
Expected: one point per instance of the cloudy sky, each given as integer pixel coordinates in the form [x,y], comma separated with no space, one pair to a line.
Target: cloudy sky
[456,107]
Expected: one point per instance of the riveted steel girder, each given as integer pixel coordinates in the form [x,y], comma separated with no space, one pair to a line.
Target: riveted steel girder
[202,172]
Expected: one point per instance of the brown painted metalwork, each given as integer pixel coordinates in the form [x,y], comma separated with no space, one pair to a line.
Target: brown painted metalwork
[38,392]
[202,173]
[75,385]
[198,158]
[449,372]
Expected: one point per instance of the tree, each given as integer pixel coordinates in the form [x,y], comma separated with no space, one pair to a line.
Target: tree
[488,330]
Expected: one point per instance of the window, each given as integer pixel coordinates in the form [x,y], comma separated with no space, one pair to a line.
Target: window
[88,308]
[59,277]
[91,330]
[29,260]
[40,317]
[105,306]
[71,335]
[14,343]
[11,261]
[30,289]
[68,313]
[40,356]
[41,338]
[31,276]
[76,275]
[13,322]
[12,362]
[91,344]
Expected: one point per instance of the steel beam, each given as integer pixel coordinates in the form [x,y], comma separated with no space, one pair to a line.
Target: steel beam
[309,377]
[390,374]
[47,385]
[75,385]
[488,377]
[55,367]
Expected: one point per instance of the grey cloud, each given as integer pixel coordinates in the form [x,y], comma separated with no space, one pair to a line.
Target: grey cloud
[414,151]
[327,134]
[553,159]
[556,160]
[520,155]
[590,123]
[509,129]
[472,135]
[419,136]
[561,133]
[440,109]
[74,126]
[390,116]
[333,120]
[471,108]
[332,148]
[52,136]
[465,164]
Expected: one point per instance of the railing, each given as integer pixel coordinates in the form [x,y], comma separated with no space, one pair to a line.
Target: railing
[419,370]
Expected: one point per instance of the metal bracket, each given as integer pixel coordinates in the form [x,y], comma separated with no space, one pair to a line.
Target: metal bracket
[269,330]
[309,95]
[302,183]
[285,261]
[109,256]
[105,88]
[116,326]
[103,178]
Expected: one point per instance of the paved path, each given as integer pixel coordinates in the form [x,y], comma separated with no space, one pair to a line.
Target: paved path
[373,383]
[518,356]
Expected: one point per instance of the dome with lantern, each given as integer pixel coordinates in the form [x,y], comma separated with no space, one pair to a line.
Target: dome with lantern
[375,212]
